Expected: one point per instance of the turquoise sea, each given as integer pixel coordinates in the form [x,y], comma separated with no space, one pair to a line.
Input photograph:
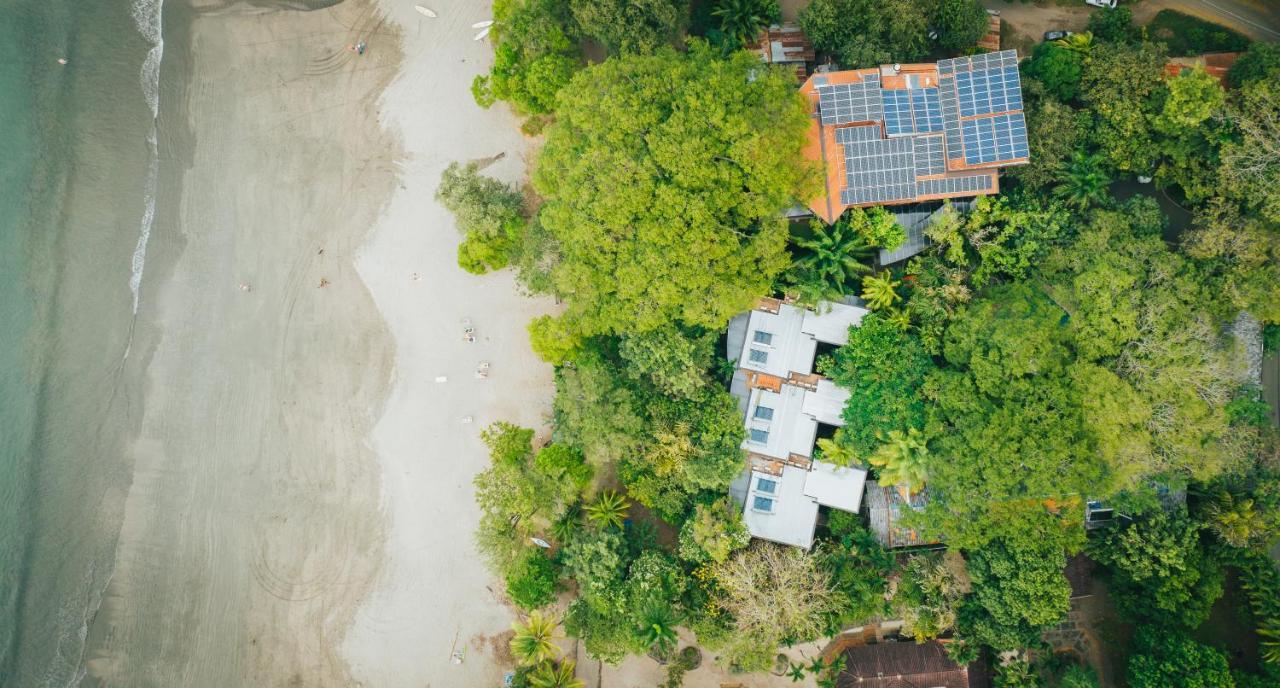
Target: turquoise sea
[77,177]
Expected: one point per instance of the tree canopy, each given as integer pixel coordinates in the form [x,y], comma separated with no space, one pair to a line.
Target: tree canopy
[698,154]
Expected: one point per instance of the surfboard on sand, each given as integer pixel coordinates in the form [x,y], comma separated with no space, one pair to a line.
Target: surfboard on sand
[482,24]
[424,11]
[483,32]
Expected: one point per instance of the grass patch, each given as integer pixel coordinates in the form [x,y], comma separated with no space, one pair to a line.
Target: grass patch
[1188,35]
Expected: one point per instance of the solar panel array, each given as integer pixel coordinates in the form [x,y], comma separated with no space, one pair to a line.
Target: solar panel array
[928,155]
[952,185]
[971,114]
[845,103]
[879,171]
[990,139]
[926,109]
[870,132]
[897,113]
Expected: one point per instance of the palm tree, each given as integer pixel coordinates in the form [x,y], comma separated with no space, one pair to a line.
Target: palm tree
[1084,182]
[552,675]
[1079,43]
[880,291]
[658,628]
[833,258]
[609,510]
[901,459]
[836,452]
[534,641]
[1269,631]
[563,529]
[742,20]
[1235,520]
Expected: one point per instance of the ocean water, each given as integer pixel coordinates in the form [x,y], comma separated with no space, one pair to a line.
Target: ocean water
[78,161]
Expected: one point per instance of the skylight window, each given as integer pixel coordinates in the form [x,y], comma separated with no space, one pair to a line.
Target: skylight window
[762,337]
[767,485]
[764,504]
[760,357]
[764,413]
[759,436]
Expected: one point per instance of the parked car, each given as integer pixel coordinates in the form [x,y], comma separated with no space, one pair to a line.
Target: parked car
[1109,4]
[1056,34]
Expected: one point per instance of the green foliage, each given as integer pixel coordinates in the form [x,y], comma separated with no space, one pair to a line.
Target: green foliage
[1016,673]
[563,462]
[555,675]
[1084,182]
[597,560]
[884,369]
[1018,590]
[1076,676]
[609,510]
[637,26]
[1054,133]
[1188,35]
[1160,574]
[702,158]
[534,55]
[489,213]
[1115,26]
[521,495]
[960,23]
[658,628]
[1190,130]
[1251,167]
[671,360]
[1165,659]
[713,532]
[859,569]
[534,639]
[532,584]
[929,597]
[552,340]
[876,225]
[902,459]
[1119,85]
[741,21]
[1236,520]
[1058,68]
[880,291]
[1260,63]
[829,261]
[867,33]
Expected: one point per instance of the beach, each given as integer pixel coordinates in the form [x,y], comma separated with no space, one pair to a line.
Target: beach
[299,509]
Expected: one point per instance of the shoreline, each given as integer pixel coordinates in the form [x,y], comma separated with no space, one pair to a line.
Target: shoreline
[251,527]
[434,595]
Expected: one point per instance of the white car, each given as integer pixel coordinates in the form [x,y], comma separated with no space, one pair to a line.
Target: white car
[1109,4]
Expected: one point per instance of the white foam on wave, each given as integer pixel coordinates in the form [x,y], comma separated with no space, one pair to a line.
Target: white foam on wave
[147,16]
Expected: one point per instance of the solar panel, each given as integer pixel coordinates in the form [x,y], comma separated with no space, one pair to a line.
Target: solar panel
[926,110]
[845,103]
[862,133]
[897,113]
[928,155]
[879,171]
[950,117]
[953,185]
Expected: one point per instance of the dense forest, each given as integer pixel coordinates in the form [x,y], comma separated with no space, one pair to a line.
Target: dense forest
[1064,342]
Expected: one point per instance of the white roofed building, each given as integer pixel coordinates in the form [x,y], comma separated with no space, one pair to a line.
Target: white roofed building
[783,402]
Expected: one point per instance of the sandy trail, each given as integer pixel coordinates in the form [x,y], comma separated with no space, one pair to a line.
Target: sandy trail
[434,594]
[252,528]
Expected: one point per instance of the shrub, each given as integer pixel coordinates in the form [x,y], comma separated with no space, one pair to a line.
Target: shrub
[532,583]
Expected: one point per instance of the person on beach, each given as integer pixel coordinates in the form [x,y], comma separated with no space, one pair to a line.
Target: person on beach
[244,286]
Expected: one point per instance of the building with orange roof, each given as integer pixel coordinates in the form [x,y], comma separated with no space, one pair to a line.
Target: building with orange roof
[904,134]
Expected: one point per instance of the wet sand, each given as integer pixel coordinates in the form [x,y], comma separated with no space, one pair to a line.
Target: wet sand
[252,527]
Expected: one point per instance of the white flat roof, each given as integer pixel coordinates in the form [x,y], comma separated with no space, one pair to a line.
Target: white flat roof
[786,350]
[836,487]
[793,517]
[790,430]
[832,322]
[826,404]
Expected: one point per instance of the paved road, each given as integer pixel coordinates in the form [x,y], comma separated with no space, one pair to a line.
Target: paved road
[1257,19]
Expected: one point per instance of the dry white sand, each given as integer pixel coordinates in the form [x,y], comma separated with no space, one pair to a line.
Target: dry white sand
[434,595]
